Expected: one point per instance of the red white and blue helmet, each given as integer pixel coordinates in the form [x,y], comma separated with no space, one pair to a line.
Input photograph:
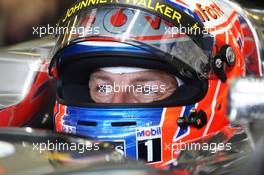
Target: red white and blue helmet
[200,42]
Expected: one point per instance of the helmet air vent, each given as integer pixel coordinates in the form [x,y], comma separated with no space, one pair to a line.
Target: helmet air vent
[87,123]
[118,124]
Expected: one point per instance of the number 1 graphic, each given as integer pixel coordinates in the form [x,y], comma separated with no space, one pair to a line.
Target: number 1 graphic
[149,145]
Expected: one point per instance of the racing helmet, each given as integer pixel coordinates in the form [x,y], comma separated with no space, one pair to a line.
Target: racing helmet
[198,42]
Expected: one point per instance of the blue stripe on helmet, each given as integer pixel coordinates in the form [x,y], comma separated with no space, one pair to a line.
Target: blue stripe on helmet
[76,49]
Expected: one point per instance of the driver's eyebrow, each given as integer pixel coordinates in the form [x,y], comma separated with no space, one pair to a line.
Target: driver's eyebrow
[142,79]
[100,77]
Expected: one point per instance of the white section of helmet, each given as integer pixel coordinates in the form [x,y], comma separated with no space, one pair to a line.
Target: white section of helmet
[123,70]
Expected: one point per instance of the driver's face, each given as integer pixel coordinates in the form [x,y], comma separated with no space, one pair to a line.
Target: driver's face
[139,87]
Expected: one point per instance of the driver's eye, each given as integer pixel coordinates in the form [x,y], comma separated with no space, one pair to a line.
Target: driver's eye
[147,91]
[103,89]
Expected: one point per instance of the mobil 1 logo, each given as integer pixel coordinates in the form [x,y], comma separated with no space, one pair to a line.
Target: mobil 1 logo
[149,144]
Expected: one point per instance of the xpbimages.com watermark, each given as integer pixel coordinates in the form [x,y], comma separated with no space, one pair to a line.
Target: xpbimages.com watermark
[65,147]
[124,88]
[51,30]
[186,146]
[182,30]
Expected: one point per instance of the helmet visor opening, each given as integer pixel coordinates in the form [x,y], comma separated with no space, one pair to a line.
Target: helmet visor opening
[126,81]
